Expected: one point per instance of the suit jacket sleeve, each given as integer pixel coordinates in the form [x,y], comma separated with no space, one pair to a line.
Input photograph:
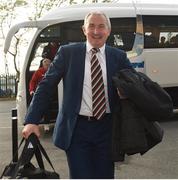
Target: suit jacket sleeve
[40,101]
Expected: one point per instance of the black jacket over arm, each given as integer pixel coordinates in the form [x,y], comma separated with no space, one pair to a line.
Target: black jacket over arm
[134,127]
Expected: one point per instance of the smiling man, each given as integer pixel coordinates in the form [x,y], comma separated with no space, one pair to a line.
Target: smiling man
[84,125]
[97,28]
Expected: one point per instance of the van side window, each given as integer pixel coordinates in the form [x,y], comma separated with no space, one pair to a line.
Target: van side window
[37,57]
[122,35]
[160,31]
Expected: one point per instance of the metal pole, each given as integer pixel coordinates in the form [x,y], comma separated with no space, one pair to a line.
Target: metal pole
[14,135]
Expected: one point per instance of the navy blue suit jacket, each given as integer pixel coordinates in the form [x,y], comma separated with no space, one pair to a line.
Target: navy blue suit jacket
[69,65]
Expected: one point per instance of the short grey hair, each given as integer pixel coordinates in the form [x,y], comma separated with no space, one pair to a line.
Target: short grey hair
[98,13]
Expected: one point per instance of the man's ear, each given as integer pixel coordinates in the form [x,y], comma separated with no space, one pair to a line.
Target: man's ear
[83,28]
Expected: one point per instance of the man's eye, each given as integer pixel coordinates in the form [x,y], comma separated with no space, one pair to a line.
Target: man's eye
[91,26]
[102,26]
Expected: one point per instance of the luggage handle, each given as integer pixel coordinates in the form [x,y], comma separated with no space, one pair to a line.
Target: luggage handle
[38,149]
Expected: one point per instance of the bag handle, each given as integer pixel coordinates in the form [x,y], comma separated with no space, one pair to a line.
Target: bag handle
[26,156]
[38,155]
[45,155]
[39,158]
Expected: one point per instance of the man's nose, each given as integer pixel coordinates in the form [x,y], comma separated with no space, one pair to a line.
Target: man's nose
[96,30]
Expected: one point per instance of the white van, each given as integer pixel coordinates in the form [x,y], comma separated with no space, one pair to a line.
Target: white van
[148,32]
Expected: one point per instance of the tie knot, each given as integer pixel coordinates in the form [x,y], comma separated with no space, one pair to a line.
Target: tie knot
[94,50]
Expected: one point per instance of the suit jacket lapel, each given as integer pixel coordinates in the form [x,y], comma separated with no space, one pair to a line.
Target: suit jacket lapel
[81,64]
[110,71]
[80,70]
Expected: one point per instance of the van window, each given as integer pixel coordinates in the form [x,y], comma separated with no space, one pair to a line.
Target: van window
[35,64]
[160,31]
[122,36]
[123,33]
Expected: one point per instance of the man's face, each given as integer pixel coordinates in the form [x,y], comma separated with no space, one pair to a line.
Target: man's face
[96,30]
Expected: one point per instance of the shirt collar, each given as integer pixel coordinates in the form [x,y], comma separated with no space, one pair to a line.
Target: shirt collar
[89,47]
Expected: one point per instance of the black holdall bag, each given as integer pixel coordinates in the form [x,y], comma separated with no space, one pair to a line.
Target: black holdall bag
[24,169]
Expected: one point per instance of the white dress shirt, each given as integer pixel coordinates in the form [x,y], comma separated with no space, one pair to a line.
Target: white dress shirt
[86,104]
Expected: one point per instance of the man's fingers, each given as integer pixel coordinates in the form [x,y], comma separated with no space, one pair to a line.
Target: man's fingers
[37,132]
[29,129]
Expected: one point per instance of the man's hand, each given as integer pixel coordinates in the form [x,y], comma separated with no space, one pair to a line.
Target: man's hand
[31,93]
[29,129]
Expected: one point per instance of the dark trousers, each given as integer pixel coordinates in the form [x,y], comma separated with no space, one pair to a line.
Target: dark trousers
[89,155]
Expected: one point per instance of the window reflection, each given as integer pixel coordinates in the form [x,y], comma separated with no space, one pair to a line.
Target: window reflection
[160,31]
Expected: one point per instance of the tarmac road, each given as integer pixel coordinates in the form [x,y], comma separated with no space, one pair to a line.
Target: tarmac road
[161,162]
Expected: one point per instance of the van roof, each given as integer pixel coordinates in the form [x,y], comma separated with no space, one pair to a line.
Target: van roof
[119,9]
[77,12]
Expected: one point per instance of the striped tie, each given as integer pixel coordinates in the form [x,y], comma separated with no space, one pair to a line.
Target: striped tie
[98,93]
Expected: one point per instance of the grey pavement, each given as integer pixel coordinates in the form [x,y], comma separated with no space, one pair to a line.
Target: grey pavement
[161,162]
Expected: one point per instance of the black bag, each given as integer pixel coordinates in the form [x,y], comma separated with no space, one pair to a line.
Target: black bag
[151,99]
[24,169]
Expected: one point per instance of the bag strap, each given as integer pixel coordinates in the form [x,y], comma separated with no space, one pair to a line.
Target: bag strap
[20,144]
[38,155]
[39,158]
[45,155]
[39,151]
[23,157]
